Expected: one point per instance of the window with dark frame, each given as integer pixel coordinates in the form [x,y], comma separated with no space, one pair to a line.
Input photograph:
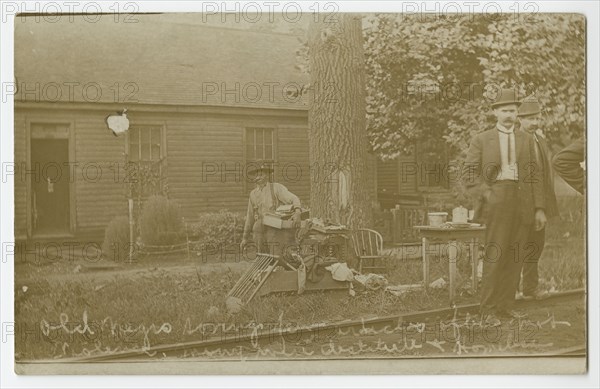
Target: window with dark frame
[145,154]
[145,144]
[260,146]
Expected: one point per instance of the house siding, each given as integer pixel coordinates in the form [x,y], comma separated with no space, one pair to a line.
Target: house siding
[294,165]
[193,141]
[99,192]
[398,175]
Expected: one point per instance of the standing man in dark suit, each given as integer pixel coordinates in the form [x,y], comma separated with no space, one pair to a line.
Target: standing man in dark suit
[501,176]
[530,117]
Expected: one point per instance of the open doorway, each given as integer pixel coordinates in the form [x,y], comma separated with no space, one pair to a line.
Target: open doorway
[50,186]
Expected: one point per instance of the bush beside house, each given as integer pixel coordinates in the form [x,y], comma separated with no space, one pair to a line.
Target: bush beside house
[160,222]
[116,239]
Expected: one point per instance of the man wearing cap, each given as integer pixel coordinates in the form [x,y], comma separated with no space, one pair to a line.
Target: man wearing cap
[500,176]
[267,196]
[530,119]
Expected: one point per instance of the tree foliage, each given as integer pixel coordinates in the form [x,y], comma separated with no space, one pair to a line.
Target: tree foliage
[432,77]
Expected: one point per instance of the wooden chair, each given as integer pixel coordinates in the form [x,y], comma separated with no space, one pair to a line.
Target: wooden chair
[368,245]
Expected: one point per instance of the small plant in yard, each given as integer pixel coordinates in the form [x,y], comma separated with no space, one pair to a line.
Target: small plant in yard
[160,222]
[116,239]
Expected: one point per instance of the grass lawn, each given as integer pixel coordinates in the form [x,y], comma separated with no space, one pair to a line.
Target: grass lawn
[128,306]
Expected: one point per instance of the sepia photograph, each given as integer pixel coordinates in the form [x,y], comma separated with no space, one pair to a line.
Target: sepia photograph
[218,192]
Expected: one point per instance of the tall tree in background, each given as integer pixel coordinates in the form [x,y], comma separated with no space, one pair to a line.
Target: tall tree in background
[428,77]
[338,143]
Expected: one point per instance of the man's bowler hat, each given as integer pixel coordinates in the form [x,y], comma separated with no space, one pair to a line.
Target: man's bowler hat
[529,106]
[505,97]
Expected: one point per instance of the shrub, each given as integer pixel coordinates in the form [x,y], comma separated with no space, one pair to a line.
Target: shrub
[160,222]
[218,228]
[116,239]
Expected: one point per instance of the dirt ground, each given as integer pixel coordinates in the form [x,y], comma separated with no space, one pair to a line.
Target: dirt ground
[548,329]
[184,292]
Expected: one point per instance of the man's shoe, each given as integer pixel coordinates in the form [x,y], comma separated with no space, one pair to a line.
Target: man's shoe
[490,320]
[521,296]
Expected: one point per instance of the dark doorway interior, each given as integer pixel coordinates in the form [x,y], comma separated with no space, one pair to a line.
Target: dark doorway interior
[50,186]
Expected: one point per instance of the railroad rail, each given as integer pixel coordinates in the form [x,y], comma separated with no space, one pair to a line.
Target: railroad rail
[175,350]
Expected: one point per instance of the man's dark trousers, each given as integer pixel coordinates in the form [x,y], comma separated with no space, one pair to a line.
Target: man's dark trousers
[533,251]
[506,235]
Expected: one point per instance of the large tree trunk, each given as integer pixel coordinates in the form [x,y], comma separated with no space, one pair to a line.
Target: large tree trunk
[337,122]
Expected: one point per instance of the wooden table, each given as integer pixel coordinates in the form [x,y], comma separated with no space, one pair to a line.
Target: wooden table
[470,235]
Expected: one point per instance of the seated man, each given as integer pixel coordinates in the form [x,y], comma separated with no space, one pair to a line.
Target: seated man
[267,196]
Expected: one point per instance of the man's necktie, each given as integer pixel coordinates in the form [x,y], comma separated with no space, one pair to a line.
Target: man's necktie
[508,142]
[512,159]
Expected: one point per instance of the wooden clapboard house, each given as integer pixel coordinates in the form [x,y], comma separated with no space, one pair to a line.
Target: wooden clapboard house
[202,102]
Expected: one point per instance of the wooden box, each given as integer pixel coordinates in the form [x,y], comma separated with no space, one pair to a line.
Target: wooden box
[281,222]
